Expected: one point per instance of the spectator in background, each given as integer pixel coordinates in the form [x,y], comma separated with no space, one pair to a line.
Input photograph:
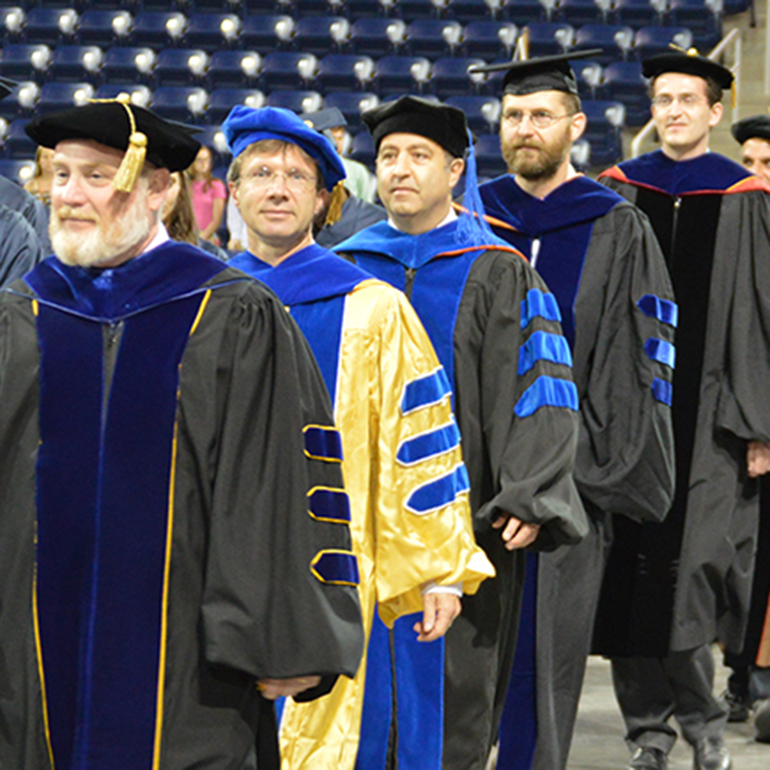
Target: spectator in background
[208,196]
[40,184]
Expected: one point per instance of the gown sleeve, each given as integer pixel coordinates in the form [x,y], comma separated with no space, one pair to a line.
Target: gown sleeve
[517,402]
[624,359]
[280,596]
[423,529]
[20,248]
[743,401]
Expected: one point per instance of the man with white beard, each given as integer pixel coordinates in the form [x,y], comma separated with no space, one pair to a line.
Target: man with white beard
[163,429]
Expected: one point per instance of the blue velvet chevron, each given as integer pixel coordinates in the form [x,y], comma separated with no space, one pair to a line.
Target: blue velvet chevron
[547,391]
[664,310]
[329,505]
[661,351]
[440,492]
[543,346]
[427,445]
[425,391]
[323,443]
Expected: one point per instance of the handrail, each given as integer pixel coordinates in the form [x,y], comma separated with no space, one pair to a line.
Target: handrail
[733,35]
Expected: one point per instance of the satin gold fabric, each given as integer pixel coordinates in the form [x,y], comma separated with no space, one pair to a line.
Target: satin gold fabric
[383,348]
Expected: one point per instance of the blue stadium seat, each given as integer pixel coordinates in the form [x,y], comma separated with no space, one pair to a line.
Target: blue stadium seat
[322,34]
[376,36]
[580,154]
[77,62]
[25,62]
[649,41]
[56,96]
[159,28]
[181,66]
[606,120]
[616,41]
[702,17]
[234,69]
[19,171]
[490,39]
[53,26]
[213,138]
[523,12]
[129,64]
[288,69]
[579,12]
[639,13]
[140,94]
[12,20]
[590,78]
[467,11]
[489,159]
[362,148]
[623,82]
[450,77]
[212,31]
[223,100]
[483,112]
[411,10]
[185,103]
[351,105]
[337,71]
[548,38]
[17,143]
[401,73]
[297,101]
[20,103]
[105,28]
[302,8]
[433,37]
[268,32]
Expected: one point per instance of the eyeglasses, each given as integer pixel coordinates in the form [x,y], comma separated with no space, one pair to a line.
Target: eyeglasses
[294,179]
[686,100]
[538,118]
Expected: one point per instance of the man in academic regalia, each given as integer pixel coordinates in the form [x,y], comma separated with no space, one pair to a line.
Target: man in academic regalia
[496,330]
[672,589]
[402,464]
[163,426]
[600,258]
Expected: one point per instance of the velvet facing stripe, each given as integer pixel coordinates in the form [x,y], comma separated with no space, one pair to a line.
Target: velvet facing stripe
[547,391]
[663,391]
[104,513]
[328,504]
[663,310]
[426,391]
[428,445]
[543,346]
[439,492]
[335,567]
[539,304]
[661,351]
[323,443]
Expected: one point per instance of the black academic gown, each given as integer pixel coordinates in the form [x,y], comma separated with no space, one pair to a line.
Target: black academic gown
[686,582]
[495,329]
[601,260]
[20,248]
[162,424]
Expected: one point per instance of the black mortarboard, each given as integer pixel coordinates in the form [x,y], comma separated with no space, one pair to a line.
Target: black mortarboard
[688,62]
[169,145]
[546,73]
[6,86]
[441,123]
[329,117]
[755,127]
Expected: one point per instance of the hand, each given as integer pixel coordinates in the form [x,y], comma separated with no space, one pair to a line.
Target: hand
[439,610]
[276,688]
[758,459]
[517,534]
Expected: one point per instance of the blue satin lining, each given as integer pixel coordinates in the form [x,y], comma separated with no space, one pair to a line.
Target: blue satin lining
[429,444]
[440,492]
[539,304]
[664,310]
[336,567]
[330,505]
[663,391]
[426,391]
[544,346]
[661,351]
[323,443]
[547,391]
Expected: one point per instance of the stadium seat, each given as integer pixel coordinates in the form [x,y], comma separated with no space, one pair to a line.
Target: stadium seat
[615,40]
[433,37]
[17,143]
[184,103]
[362,148]
[288,69]
[590,78]
[489,159]
[230,69]
[351,105]
[579,12]
[181,66]
[523,12]
[212,31]
[223,100]
[490,39]
[359,9]
[340,71]
[12,20]
[702,17]
[649,41]
[450,76]
[76,62]
[20,103]
[54,26]
[129,65]
[580,154]
[141,95]
[377,37]
[467,11]
[639,13]
[267,33]
[483,112]
[159,28]
[549,38]
[401,73]
[25,62]
[56,96]
[105,28]
[603,130]
[623,82]
[19,171]
[321,34]
[297,101]
[213,138]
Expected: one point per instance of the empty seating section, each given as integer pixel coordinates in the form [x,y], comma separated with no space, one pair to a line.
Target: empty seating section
[192,60]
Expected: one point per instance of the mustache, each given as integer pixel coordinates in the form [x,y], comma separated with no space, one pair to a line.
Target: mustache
[66,212]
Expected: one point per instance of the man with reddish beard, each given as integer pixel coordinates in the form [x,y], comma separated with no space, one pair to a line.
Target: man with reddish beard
[673,589]
[163,426]
[600,259]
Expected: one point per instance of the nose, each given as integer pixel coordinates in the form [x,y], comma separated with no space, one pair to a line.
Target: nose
[401,167]
[277,184]
[71,192]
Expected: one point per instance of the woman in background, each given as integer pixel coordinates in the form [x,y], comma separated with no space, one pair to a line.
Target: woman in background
[40,183]
[208,196]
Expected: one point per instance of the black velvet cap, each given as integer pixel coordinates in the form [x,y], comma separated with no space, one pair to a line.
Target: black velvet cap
[688,63]
[755,127]
[546,73]
[441,123]
[169,145]
[6,86]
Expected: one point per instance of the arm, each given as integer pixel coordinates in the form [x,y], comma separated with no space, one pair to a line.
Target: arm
[217,210]
[20,249]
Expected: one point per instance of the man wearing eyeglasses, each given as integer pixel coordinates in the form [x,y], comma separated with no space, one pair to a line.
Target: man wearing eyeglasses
[599,257]
[672,589]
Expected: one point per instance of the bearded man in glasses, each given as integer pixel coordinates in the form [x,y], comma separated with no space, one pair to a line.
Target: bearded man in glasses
[600,258]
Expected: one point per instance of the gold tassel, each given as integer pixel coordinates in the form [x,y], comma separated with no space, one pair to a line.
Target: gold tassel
[338,197]
[133,161]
